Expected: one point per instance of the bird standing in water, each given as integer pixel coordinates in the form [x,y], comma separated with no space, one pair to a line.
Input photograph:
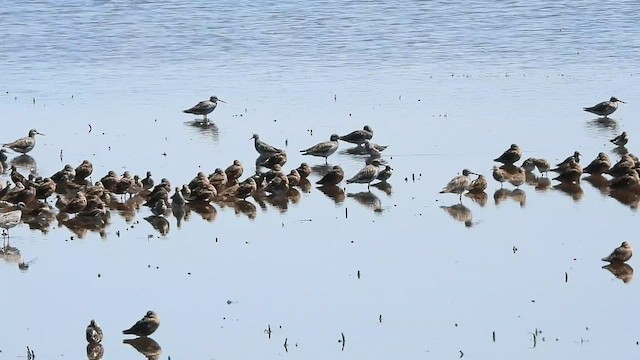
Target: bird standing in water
[605,108]
[204,107]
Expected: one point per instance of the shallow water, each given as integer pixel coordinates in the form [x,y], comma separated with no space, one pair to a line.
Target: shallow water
[446,86]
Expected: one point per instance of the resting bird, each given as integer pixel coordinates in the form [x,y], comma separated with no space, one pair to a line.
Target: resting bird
[620,254]
[145,326]
[93,332]
[510,156]
[620,140]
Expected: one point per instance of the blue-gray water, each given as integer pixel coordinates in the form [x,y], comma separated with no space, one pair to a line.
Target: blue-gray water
[447,85]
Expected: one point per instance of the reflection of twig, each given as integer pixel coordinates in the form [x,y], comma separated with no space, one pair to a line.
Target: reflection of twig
[285,345]
[342,341]
[535,336]
[461,354]
[30,354]
[268,331]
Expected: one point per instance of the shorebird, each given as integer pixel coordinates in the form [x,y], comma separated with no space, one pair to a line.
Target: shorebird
[518,178]
[333,177]
[367,174]
[145,326]
[478,185]
[12,218]
[543,165]
[620,254]
[500,175]
[605,108]
[25,144]
[3,155]
[529,165]
[510,156]
[304,170]
[562,165]
[323,149]
[458,184]
[93,333]
[234,171]
[147,182]
[262,147]
[620,140]
[385,173]
[204,107]
[83,171]
[358,137]
[599,165]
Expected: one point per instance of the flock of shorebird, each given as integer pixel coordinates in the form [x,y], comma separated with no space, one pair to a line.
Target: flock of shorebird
[625,174]
[85,205]
[142,329]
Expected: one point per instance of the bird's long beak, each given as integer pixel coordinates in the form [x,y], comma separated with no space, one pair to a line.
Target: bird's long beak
[622,101]
[39,133]
[222,101]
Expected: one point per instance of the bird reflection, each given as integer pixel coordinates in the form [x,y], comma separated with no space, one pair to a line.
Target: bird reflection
[334,192]
[245,207]
[543,183]
[501,195]
[159,223]
[479,198]
[383,186]
[459,212]
[205,209]
[95,351]
[603,123]
[26,162]
[305,185]
[599,182]
[519,196]
[367,199]
[322,169]
[206,130]
[625,197]
[620,150]
[620,270]
[145,346]
[571,189]
[9,253]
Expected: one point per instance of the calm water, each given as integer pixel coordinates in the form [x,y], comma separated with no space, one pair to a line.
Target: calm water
[447,85]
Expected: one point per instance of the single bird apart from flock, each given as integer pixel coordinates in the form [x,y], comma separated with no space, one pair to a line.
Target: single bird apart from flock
[620,254]
[145,326]
[25,144]
[93,333]
[204,107]
[604,108]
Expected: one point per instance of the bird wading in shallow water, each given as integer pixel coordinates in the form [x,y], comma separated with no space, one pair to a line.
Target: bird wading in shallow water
[25,144]
[605,108]
[204,107]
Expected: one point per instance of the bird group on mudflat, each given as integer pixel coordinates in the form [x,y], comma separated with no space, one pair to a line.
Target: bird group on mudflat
[84,205]
[142,329]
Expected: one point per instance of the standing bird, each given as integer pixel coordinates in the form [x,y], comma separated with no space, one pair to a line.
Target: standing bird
[458,184]
[323,149]
[12,218]
[510,156]
[333,177]
[367,174]
[358,137]
[93,333]
[262,147]
[605,108]
[204,107]
[620,254]
[543,165]
[147,182]
[500,175]
[145,326]
[25,144]
[234,171]
[620,140]
[385,173]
